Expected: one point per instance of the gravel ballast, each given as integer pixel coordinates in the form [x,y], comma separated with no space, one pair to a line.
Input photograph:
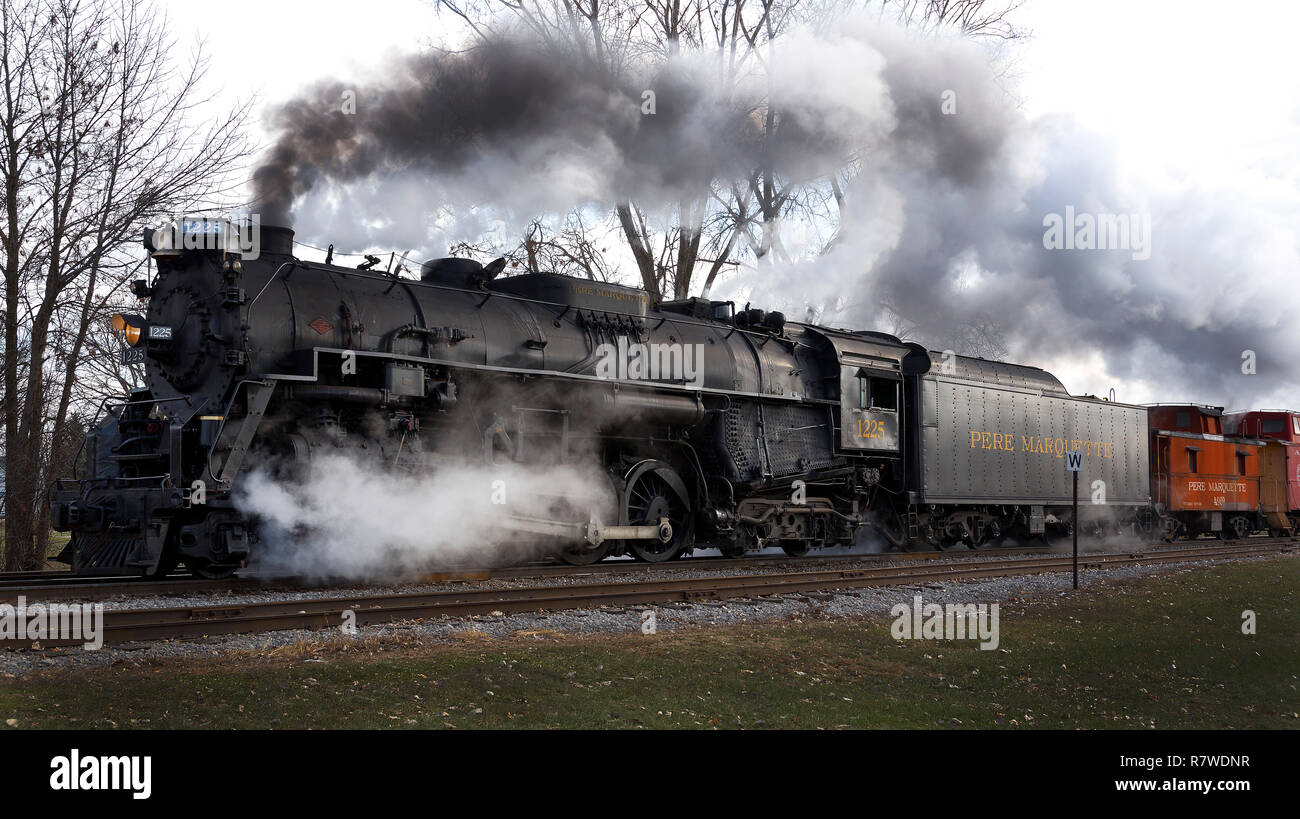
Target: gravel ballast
[865,602]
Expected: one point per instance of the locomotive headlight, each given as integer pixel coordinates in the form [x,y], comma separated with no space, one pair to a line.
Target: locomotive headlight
[130,326]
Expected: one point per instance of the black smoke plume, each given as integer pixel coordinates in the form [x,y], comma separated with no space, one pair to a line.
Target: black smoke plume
[548,126]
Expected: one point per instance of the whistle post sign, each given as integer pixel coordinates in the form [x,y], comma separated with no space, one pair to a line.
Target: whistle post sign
[1073,463]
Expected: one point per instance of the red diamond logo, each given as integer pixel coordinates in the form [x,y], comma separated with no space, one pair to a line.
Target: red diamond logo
[321,326]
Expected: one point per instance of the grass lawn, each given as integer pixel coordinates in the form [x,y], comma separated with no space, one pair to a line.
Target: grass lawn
[1163,652]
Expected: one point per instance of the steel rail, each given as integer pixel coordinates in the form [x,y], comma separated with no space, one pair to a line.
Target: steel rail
[132,625]
[63,585]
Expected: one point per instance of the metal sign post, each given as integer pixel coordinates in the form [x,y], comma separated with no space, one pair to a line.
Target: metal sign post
[1073,462]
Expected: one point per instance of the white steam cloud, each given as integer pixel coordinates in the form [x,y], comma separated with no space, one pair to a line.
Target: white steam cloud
[348,519]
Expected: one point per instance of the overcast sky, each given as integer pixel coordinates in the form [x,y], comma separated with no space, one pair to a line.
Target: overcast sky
[1190,86]
[1191,95]
[1195,96]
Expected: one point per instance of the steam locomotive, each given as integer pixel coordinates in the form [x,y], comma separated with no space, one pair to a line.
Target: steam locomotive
[735,429]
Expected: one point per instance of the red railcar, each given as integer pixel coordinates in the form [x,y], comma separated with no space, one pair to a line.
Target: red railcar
[1201,480]
[1280,474]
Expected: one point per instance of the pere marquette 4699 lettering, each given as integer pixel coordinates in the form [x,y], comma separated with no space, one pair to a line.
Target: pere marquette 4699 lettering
[1175,761]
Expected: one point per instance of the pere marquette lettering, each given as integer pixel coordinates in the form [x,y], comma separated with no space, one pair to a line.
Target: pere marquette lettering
[1217,486]
[618,295]
[1039,444]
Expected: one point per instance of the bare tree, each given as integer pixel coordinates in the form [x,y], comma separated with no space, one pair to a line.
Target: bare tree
[728,221]
[98,137]
[574,247]
[974,18]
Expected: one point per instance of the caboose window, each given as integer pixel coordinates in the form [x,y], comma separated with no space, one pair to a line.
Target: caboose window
[1191,461]
[1183,420]
[884,394]
[1273,426]
[1241,463]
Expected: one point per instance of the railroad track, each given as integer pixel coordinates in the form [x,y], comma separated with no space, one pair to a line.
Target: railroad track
[145,624]
[39,586]
[67,586]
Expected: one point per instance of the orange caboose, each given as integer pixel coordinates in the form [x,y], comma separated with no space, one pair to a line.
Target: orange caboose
[1279,488]
[1201,480]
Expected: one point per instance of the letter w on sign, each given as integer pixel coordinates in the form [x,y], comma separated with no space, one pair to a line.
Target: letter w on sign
[1074,460]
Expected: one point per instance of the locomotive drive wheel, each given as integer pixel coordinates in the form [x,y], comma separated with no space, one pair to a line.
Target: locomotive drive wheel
[577,556]
[653,491]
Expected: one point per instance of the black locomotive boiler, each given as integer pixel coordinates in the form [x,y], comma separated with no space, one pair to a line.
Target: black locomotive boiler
[781,434]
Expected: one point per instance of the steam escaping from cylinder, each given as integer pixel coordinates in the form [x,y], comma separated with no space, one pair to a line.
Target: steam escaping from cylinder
[346,519]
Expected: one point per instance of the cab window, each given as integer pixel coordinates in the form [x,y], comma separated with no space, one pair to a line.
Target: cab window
[884,394]
[876,393]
